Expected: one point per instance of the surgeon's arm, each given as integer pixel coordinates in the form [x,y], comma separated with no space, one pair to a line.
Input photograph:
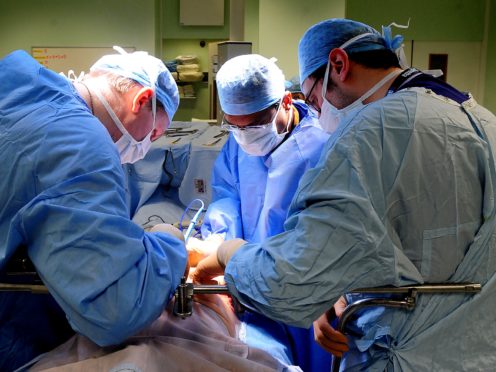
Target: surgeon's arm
[335,238]
[109,276]
[214,264]
[223,216]
[174,231]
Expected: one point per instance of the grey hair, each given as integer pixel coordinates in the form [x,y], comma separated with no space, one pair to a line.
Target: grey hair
[120,83]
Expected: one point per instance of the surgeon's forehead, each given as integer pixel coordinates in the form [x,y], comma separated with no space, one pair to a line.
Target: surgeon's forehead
[256,118]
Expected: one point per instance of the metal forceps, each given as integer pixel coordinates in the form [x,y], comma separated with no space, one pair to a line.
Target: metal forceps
[218,138]
[179,132]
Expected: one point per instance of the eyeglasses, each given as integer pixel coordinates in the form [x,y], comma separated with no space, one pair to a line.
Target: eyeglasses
[307,101]
[225,124]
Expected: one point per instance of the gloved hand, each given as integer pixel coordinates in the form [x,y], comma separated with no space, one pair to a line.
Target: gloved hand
[175,232]
[215,263]
[326,336]
[169,229]
[199,249]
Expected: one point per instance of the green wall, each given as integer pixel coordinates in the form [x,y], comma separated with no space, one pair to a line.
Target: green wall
[439,20]
[252,24]
[273,26]
[185,40]
[490,87]
[430,20]
[282,23]
[64,23]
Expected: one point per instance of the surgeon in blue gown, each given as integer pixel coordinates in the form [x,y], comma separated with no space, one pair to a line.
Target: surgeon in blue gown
[273,141]
[63,202]
[404,193]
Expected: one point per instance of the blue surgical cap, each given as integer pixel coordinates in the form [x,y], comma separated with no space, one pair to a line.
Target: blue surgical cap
[145,70]
[249,83]
[293,85]
[321,38]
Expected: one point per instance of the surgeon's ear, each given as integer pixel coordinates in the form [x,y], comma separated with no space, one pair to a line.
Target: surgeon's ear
[340,63]
[287,100]
[141,98]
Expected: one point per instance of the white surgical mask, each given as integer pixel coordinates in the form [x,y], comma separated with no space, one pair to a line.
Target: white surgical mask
[130,150]
[331,116]
[261,139]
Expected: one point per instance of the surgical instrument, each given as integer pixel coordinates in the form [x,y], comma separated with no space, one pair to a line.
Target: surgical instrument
[183,298]
[194,220]
[212,143]
[222,134]
[178,132]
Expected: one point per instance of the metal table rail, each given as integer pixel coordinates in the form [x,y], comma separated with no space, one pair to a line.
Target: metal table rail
[408,302]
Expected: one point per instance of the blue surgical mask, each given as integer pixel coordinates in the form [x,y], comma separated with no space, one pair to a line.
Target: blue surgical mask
[261,139]
[130,150]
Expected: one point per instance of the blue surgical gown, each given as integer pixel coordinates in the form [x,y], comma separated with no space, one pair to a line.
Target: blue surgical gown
[63,198]
[252,194]
[403,193]
[251,198]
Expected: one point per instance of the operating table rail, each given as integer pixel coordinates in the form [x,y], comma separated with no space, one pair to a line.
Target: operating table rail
[183,304]
[407,303]
[33,288]
[22,278]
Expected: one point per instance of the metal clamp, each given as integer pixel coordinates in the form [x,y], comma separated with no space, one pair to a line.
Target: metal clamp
[407,303]
[183,298]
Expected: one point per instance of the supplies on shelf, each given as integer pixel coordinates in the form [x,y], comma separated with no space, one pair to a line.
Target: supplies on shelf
[171,65]
[190,76]
[188,69]
[186,91]
[185,69]
[187,60]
